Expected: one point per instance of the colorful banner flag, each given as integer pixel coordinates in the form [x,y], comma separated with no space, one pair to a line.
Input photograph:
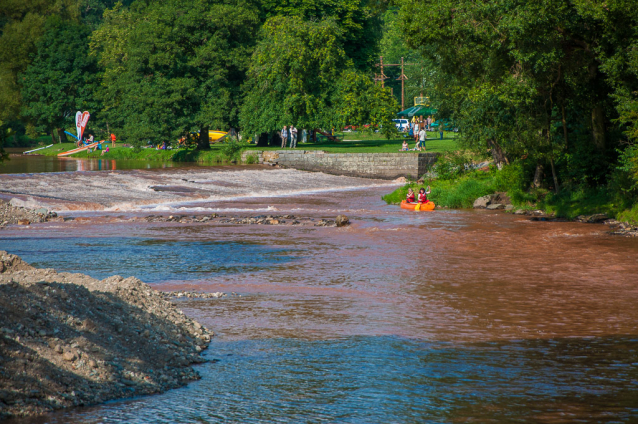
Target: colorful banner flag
[81,119]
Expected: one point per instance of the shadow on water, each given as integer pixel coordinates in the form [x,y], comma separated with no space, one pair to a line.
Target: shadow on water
[394,380]
[149,260]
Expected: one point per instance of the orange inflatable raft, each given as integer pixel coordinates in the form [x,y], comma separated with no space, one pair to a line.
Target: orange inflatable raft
[429,206]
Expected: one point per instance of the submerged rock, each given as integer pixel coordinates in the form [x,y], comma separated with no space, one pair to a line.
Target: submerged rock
[342,221]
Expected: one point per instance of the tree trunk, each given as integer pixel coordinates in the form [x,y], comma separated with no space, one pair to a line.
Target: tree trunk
[562,108]
[598,126]
[556,186]
[203,142]
[497,153]
[53,136]
[261,140]
[62,136]
[538,176]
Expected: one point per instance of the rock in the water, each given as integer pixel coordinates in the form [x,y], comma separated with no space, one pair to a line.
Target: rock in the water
[599,217]
[342,221]
[24,222]
[509,207]
[501,197]
[495,206]
[519,212]
[482,202]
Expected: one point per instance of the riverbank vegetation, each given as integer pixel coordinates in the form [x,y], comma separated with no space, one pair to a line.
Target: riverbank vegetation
[217,154]
[547,88]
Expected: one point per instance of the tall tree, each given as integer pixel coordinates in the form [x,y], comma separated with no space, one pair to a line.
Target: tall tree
[62,77]
[292,75]
[531,59]
[359,23]
[300,74]
[174,67]
[21,25]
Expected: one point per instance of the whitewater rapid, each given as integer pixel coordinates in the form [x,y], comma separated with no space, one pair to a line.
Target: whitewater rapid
[166,189]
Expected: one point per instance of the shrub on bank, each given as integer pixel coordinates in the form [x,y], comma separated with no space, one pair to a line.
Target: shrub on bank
[461,192]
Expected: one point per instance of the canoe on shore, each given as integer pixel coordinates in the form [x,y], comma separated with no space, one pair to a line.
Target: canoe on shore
[429,206]
[81,149]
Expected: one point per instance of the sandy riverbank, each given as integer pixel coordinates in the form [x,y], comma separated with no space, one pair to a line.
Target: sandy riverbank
[69,340]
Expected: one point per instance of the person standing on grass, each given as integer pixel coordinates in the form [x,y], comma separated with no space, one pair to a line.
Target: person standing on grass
[293,137]
[284,137]
[416,132]
[113,139]
[422,136]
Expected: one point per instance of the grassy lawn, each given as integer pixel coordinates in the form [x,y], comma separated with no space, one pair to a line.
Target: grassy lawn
[214,155]
[353,143]
[374,143]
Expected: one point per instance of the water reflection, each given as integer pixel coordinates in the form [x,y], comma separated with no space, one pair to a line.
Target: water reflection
[28,164]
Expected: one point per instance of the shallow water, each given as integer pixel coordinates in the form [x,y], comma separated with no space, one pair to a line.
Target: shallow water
[403,317]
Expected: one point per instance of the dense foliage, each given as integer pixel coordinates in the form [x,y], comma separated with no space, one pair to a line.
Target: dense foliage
[159,71]
[549,83]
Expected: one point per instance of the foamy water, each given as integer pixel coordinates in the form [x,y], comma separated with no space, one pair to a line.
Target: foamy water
[168,190]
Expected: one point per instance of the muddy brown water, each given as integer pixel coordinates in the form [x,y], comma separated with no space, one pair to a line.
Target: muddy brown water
[402,317]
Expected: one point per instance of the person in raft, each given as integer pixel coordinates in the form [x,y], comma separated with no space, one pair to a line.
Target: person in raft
[423,195]
[411,198]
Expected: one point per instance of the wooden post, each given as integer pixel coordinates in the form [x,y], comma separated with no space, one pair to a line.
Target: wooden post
[382,74]
[402,89]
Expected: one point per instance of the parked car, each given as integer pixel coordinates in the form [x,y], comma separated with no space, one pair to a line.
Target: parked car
[401,124]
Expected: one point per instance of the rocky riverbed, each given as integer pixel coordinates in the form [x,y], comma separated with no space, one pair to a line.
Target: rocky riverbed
[70,340]
[12,213]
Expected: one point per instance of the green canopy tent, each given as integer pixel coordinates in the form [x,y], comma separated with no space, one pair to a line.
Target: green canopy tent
[417,111]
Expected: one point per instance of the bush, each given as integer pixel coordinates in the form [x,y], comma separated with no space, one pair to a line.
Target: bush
[232,150]
[251,159]
[451,165]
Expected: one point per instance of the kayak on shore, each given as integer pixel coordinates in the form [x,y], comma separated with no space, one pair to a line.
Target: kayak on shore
[429,206]
[81,148]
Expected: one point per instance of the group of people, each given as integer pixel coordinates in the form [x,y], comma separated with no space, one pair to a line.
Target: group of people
[90,140]
[289,134]
[422,197]
[420,141]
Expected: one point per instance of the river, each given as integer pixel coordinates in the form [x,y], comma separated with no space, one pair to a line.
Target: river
[402,317]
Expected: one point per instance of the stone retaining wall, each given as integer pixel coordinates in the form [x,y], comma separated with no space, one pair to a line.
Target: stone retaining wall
[370,165]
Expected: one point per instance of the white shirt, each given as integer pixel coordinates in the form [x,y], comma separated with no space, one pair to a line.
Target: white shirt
[422,135]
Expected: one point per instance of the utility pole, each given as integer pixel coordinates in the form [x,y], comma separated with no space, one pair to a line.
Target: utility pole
[381,77]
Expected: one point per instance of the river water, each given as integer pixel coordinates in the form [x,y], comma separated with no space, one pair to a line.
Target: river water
[402,317]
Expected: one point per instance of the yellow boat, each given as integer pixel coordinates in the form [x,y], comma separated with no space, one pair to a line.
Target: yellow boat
[215,136]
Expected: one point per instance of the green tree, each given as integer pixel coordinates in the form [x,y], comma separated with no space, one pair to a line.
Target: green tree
[358,101]
[535,66]
[292,75]
[358,23]
[174,67]
[61,78]
[21,25]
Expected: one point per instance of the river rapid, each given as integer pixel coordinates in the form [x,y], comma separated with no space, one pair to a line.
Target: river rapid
[402,317]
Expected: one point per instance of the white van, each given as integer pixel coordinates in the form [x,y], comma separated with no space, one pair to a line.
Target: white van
[402,124]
